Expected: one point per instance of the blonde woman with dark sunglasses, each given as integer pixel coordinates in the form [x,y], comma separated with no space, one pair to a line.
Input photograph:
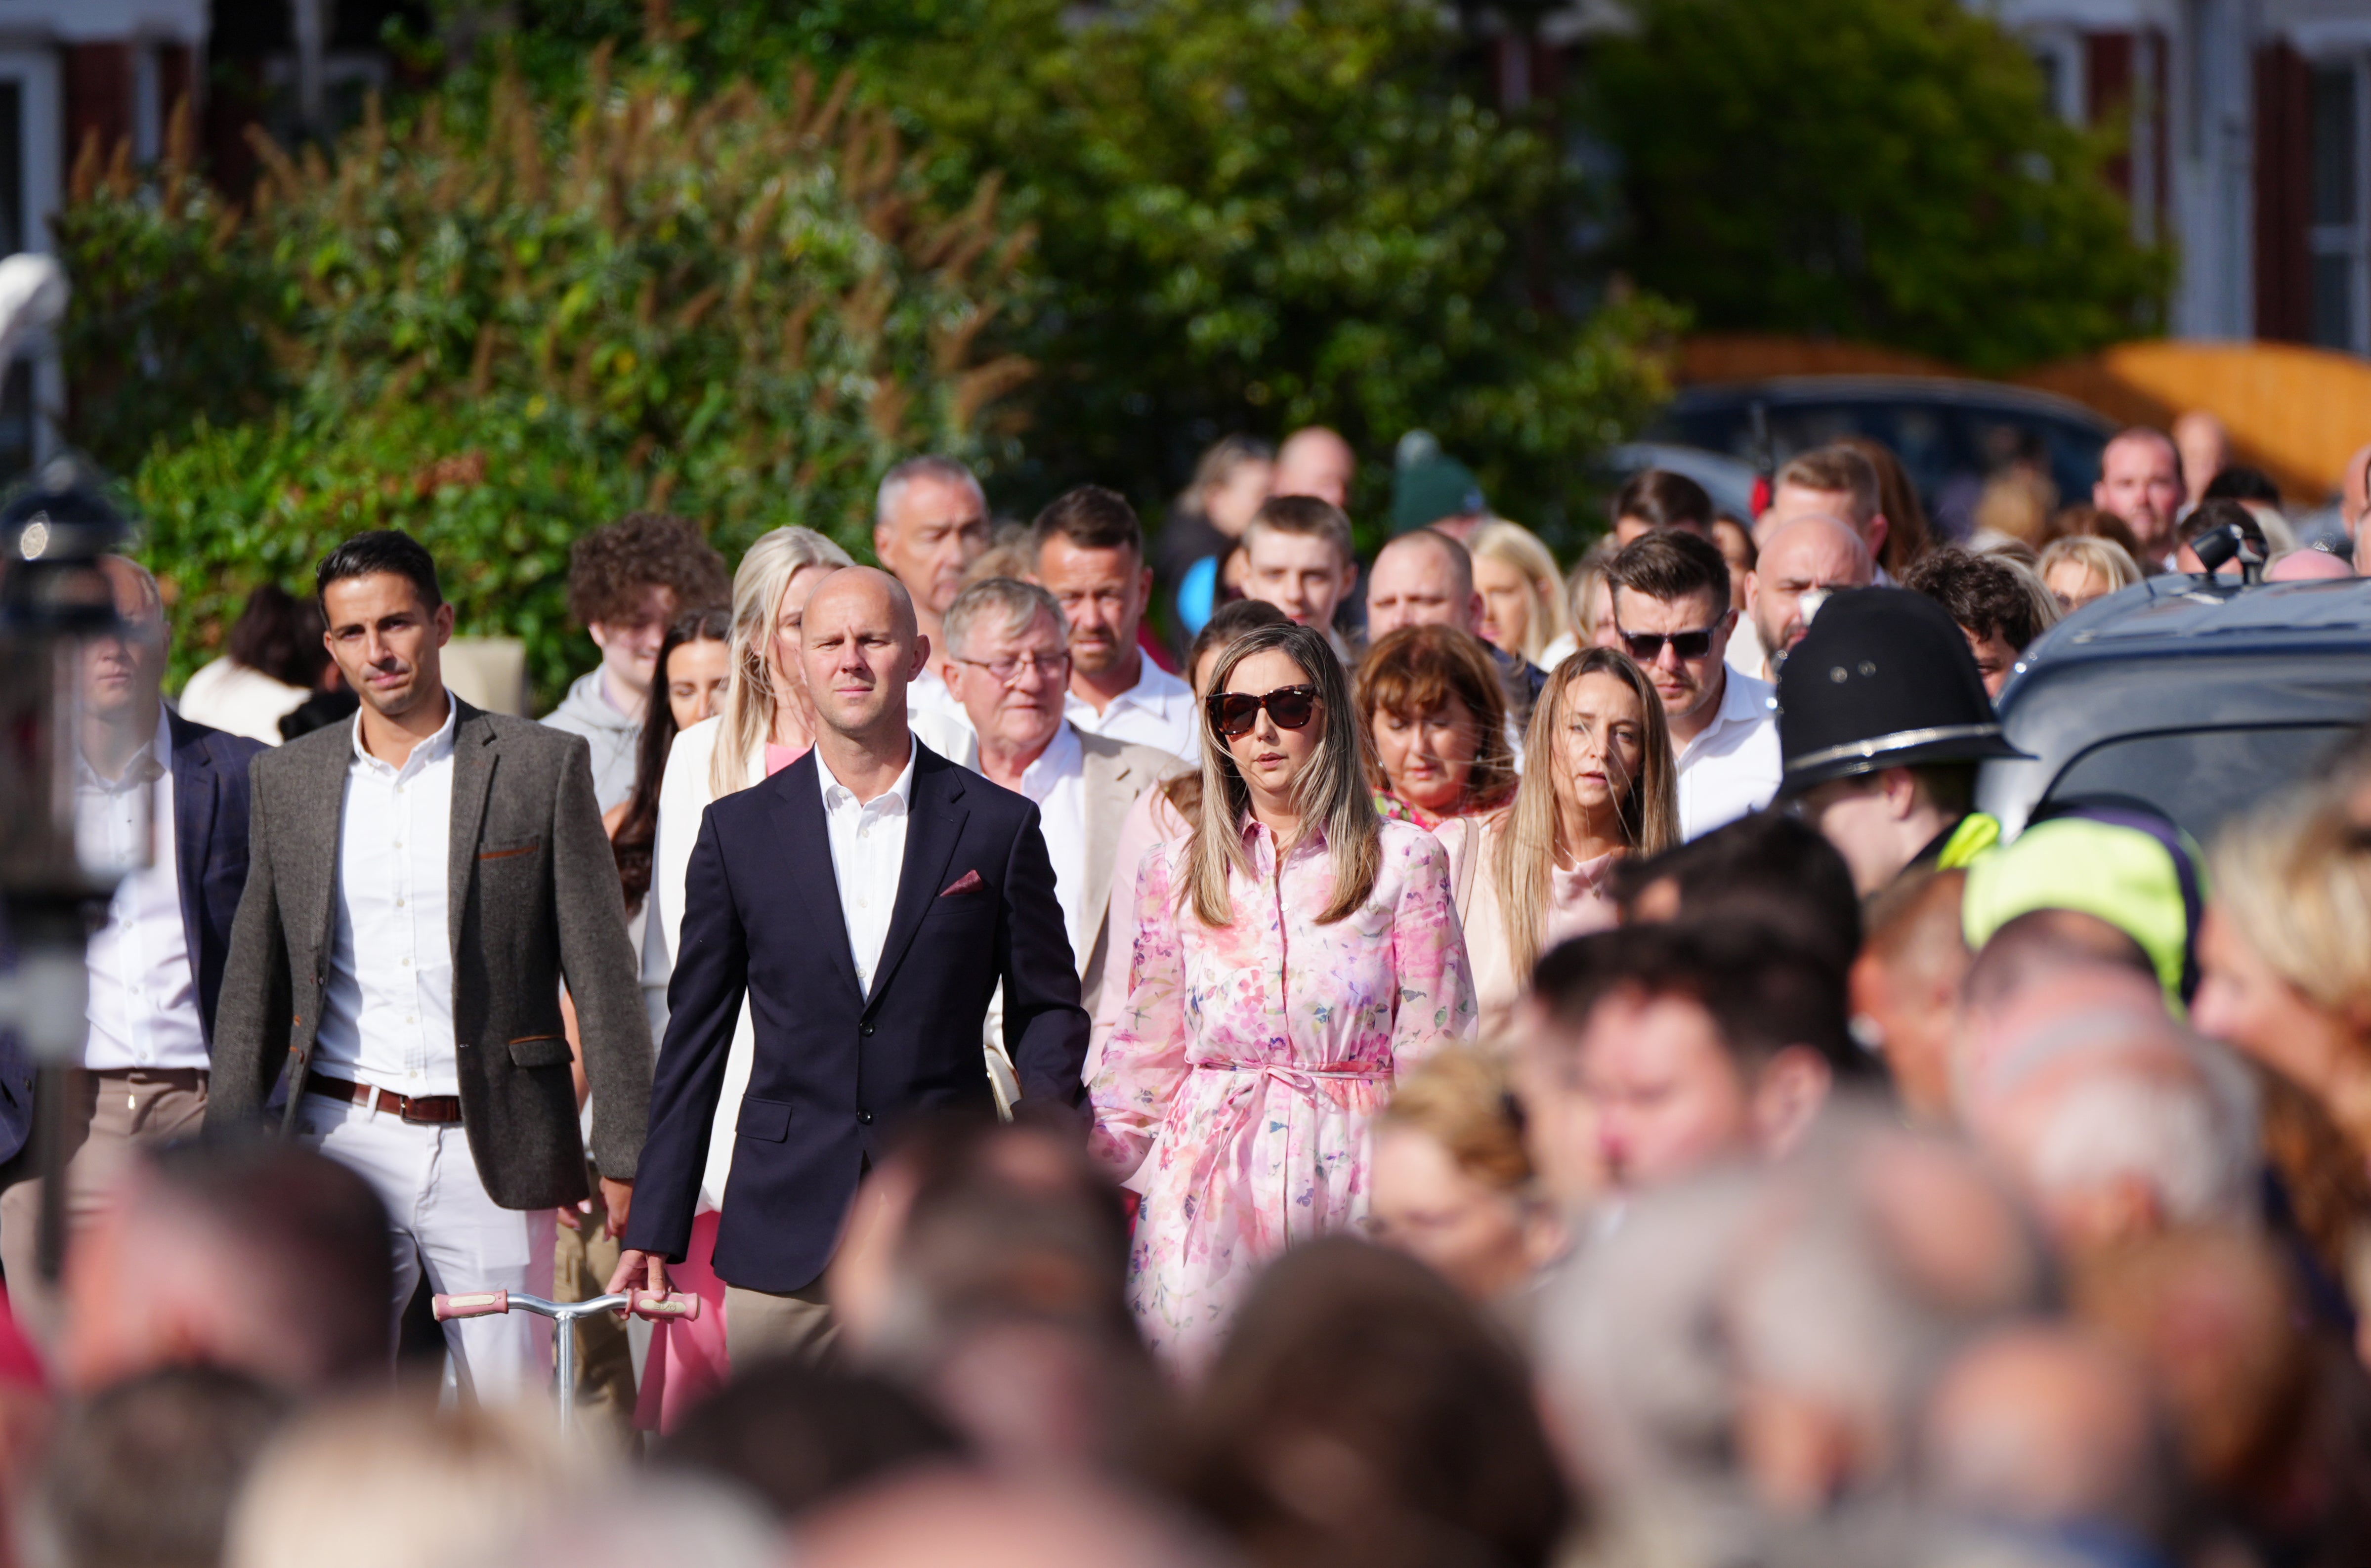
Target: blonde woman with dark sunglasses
[1293,953]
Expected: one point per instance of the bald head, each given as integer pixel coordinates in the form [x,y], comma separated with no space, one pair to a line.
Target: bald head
[860,649]
[1815,552]
[1316,461]
[2205,448]
[1425,578]
[2044,1426]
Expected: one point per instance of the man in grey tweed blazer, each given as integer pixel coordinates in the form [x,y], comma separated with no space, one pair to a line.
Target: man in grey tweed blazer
[420,882]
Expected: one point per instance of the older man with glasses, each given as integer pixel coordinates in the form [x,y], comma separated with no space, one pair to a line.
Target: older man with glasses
[1672,614]
[1008,661]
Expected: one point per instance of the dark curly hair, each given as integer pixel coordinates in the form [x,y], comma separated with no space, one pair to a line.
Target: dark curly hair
[1983,593]
[612,568]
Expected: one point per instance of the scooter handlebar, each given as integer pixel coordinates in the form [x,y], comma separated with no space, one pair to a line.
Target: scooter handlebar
[675,1304]
[472,1304]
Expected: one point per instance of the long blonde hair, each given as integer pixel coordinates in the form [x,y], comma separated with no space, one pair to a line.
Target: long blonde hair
[1527,845]
[1518,547]
[749,696]
[1330,790]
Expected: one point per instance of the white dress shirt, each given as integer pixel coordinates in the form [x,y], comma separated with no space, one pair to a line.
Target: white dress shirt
[143,992]
[386,1013]
[1158,710]
[1733,767]
[868,856]
[928,693]
[1057,781]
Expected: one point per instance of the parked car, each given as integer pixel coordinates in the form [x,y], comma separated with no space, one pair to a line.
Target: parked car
[1950,435]
[2198,698]
[1727,481]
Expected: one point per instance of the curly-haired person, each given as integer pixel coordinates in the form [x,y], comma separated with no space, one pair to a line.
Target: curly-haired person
[2000,606]
[627,583]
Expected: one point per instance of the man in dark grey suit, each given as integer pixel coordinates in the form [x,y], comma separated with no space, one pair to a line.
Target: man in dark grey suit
[422,879]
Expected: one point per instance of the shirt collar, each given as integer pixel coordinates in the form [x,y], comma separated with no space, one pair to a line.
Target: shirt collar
[433,750]
[1154,690]
[1062,756]
[150,762]
[836,795]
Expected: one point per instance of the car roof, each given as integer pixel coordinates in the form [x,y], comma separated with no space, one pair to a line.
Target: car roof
[1894,389]
[2175,656]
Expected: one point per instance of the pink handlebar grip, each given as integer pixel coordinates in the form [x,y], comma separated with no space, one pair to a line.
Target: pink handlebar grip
[476,1304]
[675,1304]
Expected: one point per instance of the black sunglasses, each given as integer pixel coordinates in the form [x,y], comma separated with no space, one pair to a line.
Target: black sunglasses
[1646,647]
[1233,714]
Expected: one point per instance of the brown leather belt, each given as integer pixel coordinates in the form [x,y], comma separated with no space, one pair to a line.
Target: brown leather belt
[412,1108]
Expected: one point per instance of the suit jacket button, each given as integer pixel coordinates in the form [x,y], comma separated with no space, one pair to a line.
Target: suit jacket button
[865,1117]
[866,1030]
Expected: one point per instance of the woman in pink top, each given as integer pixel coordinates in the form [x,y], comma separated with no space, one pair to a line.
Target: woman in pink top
[1292,951]
[1599,783]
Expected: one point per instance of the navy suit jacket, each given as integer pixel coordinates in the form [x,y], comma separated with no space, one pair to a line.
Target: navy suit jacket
[836,1069]
[210,799]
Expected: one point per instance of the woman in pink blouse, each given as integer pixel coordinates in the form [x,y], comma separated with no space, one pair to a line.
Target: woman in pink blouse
[1292,951]
[1599,783]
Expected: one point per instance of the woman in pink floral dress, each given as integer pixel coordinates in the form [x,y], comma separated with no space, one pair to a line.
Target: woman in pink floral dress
[1291,954]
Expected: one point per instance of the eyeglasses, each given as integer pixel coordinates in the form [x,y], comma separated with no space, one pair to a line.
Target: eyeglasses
[1646,647]
[1004,672]
[1234,712]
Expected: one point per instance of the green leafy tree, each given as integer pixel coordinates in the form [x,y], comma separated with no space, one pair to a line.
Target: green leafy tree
[1249,216]
[506,328]
[1880,170]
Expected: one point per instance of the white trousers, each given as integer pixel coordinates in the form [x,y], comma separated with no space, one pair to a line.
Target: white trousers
[441,1218]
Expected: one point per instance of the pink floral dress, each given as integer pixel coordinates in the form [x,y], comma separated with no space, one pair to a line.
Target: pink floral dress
[1251,1059]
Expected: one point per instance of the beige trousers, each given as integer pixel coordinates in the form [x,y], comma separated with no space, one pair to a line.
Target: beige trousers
[758,1323]
[109,1115]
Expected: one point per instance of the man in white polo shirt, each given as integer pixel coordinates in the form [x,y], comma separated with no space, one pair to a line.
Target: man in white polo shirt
[1087,549]
[1671,609]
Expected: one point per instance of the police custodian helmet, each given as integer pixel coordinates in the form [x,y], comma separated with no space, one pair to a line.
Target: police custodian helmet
[1883,679]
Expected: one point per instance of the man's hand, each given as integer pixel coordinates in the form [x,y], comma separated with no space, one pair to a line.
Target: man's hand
[649,1266]
[619,1198]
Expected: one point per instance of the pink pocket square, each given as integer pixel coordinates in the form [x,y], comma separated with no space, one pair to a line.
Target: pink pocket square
[967,883]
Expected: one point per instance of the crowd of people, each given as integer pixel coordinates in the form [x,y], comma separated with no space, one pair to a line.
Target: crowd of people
[1457,1061]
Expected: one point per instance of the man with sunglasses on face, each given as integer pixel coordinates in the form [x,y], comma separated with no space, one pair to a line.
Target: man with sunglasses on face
[1672,614]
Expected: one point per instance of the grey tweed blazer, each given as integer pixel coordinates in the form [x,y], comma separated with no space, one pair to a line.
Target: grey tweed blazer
[535,900]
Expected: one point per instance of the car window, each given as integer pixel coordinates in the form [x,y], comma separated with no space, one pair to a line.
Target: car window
[2198,778]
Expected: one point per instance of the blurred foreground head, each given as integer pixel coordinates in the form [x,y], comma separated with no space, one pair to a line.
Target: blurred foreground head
[2115,1121]
[1765,867]
[468,1479]
[793,1437]
[1361,1413]
[999,1522]
[144,1474]
[1905,986]
[2271,1417]
[985,1267]
[260,1257]
[1652,1051]
[1453,1185]
[1752,1343]
[2041,1427]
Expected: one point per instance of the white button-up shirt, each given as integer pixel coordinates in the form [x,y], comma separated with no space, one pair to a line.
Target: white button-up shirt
[143,992]
[1158,710]
[1733,767]
[386,1015]
[868,856]
[1057,781]
[928,692]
